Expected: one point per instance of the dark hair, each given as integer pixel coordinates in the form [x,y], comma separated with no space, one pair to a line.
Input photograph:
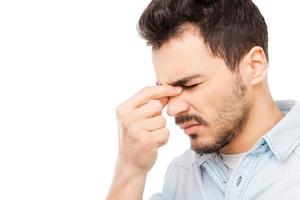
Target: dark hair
[230,28]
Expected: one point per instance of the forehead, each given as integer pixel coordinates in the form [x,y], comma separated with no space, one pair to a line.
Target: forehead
[182,57]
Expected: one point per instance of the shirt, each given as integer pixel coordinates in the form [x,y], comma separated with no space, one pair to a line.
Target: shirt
[231,161]
[270,170]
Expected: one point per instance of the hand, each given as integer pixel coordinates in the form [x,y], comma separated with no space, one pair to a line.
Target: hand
[142,128]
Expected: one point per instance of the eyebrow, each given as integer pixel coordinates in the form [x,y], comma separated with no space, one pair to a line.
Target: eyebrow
[184,80]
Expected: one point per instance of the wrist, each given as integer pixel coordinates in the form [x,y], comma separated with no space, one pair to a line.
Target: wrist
[127,184]
[128,172]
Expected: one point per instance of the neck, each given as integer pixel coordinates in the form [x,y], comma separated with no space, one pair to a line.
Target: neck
[263,116]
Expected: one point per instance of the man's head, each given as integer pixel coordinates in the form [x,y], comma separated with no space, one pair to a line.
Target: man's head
[217,51]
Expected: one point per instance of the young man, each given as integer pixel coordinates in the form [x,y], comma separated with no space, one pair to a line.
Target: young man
[211,62]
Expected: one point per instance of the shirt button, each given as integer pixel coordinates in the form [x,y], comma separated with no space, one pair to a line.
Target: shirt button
[239,181]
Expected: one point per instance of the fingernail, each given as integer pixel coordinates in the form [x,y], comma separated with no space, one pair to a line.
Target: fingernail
[178,89]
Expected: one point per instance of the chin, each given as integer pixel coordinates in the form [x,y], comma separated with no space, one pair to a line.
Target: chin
[206,145]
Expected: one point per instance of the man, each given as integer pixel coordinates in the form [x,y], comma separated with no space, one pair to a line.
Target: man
[211,62]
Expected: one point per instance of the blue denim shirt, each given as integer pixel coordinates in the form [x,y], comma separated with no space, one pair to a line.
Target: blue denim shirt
[270,170]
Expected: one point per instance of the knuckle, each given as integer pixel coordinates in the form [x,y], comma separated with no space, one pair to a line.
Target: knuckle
[128,126]
[163,121]
[120,110]
[146,89]
[125,122]
[161,143]
[164,142]
[157,105]
[133,128]
[164,136]
[136,139]
[165,131]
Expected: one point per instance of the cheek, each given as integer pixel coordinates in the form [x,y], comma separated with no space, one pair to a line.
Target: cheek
[209,98]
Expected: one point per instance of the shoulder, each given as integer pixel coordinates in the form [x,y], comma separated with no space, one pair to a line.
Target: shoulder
[185,160]
[177,174]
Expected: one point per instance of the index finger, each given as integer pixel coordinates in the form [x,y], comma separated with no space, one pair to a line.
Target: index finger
[152,92]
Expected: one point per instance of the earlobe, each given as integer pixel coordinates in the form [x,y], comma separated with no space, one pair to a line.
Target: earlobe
[258,65]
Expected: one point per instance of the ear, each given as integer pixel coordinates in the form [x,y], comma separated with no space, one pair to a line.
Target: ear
[256,64]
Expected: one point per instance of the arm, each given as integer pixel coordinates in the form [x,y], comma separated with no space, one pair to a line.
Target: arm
[141,132]
[127,186]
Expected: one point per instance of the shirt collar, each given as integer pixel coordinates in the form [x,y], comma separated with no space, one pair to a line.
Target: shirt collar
[284,137]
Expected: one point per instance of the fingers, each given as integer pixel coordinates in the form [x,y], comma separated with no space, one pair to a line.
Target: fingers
[152,92]
[152,108]
[161,136]
[153,124]
[142,128]
[140,101]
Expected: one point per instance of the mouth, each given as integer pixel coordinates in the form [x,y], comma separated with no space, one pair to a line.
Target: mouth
[190,128]
[188,125]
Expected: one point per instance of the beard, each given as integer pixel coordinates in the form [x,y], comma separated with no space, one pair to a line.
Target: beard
[230,120]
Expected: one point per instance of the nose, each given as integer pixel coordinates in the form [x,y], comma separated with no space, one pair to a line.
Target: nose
[176,106]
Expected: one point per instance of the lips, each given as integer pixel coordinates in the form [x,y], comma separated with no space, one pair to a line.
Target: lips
[188,125]
[191,129]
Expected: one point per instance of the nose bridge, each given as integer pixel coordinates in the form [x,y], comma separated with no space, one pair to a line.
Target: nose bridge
[176,105]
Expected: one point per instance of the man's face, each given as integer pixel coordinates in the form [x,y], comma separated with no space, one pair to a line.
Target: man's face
[214,105]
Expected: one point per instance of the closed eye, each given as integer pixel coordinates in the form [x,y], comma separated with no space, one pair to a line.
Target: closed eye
[189,86]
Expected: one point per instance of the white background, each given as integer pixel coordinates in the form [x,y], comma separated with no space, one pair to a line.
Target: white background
[64,67]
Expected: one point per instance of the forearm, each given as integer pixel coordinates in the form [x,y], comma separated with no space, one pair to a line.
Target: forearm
[127,186]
